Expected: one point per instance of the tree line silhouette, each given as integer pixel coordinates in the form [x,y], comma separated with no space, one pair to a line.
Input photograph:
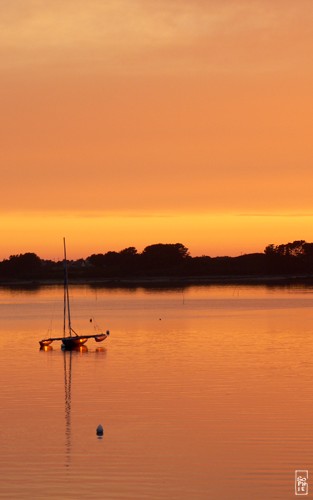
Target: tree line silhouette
[171,260]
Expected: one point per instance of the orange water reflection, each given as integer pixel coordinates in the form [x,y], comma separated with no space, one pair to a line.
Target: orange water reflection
[219,387]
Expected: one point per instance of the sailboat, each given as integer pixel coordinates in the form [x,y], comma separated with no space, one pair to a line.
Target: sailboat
[70,339]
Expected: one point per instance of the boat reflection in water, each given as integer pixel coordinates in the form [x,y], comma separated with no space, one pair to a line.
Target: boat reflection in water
[67,363]
[68,356]
[46,348]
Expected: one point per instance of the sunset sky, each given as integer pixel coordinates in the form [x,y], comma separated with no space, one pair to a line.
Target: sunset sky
[133,122]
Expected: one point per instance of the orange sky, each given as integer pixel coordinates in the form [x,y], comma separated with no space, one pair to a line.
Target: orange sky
[132,122]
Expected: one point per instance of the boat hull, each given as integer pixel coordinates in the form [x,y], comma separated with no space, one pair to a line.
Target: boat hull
[72,342]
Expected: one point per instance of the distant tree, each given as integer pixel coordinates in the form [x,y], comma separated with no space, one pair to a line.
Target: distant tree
[112,258]
[128,261]
[96,260]
[198,266]
[294,249]
[23,265]
[163,256]
[270,250]
[130,251]
[292,257]
[308,249]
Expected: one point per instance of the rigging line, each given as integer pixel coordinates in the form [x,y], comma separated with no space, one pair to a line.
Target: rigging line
[95,324]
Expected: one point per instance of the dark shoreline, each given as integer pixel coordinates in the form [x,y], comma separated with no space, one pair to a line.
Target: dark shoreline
[167,281]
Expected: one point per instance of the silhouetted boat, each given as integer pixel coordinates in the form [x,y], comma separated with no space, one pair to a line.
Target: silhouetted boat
[71,340]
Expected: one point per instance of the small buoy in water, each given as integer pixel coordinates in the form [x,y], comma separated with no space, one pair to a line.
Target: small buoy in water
[99,430]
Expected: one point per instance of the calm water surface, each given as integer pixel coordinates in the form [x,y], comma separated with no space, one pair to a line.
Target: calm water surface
[203,393]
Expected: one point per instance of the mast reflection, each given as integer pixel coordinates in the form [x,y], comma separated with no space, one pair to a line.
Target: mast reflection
[68,376]
[67,357]
[67,361]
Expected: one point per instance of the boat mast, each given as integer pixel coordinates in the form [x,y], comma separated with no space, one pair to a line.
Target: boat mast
[66,295]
